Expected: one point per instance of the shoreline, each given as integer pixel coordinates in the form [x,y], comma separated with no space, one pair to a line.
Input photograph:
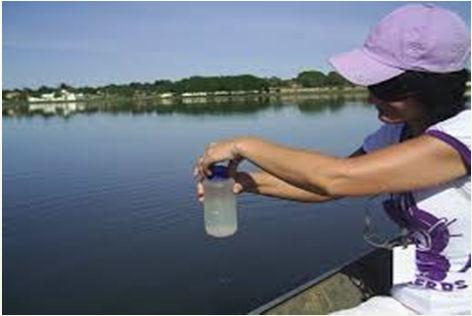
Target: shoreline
[208,96]
[195,104]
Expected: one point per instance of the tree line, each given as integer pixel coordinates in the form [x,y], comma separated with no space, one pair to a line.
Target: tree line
[311,78]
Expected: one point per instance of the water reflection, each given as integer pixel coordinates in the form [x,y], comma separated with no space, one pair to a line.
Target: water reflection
[55,108]
[220,105]
[313,106]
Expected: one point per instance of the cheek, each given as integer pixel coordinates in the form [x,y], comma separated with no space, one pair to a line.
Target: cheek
[402,110]
[409,109]
[410,112]
[397,111]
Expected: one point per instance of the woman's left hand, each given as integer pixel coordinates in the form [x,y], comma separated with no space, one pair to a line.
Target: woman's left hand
[225,150]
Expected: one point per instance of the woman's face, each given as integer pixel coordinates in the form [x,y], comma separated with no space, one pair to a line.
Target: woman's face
[402,110]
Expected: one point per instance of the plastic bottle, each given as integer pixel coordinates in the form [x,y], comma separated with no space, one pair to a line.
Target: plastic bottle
[219,205]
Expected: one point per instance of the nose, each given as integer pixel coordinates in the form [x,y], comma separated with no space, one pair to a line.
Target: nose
[372,99]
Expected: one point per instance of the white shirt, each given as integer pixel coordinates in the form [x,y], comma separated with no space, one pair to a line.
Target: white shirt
[438,220]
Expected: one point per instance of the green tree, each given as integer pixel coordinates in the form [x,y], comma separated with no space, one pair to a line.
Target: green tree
[311,78]
[162,86]
[335,79]
[87,90]
[45,89]
[275,82]
[64,86]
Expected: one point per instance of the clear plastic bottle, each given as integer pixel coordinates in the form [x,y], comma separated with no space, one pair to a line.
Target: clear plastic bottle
[219,205]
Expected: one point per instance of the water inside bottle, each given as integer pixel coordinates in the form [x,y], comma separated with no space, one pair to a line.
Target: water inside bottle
[220,209]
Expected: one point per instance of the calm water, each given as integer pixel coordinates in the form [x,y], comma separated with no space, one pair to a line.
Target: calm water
[100,215]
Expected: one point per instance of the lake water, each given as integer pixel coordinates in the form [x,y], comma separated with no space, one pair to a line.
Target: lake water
[100,214]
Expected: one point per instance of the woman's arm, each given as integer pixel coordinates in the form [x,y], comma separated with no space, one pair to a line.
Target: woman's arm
[266,184]
[418,163]
[263,183]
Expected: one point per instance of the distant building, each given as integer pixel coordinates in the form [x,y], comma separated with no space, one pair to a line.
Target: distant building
[61,96]
[194,94]
[238,92]
[222,92]
[34,99]
[166,95]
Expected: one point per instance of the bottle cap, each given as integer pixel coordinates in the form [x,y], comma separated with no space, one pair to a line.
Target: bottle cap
[218,172]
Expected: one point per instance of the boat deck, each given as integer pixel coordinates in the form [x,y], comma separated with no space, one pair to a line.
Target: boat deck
[341,288]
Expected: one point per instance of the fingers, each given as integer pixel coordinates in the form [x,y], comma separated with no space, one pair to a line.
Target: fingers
[237,188]
[199,176]
[214,153]
[200,192]
[205,167]
[205,161]
[197,170]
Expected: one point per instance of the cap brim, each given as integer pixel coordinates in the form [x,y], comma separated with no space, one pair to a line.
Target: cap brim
[361,69]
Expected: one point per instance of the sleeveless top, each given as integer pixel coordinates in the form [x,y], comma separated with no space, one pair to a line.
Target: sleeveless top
[438,221]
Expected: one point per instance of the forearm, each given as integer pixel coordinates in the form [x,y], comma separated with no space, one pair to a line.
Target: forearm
[419,163]
[268,185]
[309,171]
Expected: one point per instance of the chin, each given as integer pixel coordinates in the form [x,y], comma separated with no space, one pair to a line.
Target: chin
[389,120]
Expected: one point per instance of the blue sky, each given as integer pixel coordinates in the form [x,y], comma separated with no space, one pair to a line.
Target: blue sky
[94,43]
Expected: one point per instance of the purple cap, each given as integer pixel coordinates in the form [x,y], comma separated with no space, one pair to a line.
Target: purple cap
[419,37]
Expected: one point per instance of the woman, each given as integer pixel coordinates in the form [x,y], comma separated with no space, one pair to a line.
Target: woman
[414,70]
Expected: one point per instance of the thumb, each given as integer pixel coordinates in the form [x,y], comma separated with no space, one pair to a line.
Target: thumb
[237,188]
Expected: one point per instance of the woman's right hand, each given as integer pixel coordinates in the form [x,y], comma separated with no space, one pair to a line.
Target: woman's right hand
[243,182]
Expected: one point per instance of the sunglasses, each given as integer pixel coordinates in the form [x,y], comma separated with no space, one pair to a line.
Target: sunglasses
[392,95]
[393,90]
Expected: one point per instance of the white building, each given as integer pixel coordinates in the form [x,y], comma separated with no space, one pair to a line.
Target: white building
[64,96]
[221,92]
[166,95]
[194,94]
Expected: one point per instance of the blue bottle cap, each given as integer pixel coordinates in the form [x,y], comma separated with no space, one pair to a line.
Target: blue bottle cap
[218,172]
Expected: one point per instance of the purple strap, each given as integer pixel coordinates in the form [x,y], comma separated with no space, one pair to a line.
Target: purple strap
[462,149]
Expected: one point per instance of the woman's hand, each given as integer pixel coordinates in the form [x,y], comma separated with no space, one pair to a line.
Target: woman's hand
[225,150]
[243,182]
[217,152]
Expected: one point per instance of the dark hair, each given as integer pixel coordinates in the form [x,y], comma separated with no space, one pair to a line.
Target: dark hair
[441,94]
